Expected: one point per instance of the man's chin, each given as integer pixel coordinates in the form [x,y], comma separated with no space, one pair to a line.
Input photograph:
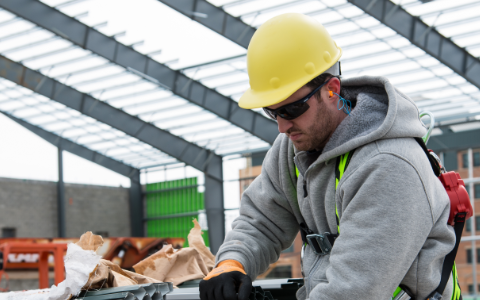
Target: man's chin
[301,146]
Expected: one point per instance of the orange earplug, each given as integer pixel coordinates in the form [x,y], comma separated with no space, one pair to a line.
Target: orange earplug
[331,93]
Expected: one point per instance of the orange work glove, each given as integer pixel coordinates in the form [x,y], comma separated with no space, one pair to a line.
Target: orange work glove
[225,281]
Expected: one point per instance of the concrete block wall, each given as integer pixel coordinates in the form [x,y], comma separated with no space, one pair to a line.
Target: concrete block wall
[30,206]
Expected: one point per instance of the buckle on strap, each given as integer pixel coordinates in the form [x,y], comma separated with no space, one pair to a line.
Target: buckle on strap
[321,243]
[435,296]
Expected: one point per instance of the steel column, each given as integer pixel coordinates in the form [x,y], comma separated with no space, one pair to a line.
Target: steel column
[423,36]
[61,196]
[215,212]
[136,206]
[471,191]
[125,56]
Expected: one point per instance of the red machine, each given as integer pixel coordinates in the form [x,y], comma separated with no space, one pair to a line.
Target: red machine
[43,250]
[460,206]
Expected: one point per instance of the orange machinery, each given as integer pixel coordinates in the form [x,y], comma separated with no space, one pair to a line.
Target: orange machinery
[36,253]
[43,250]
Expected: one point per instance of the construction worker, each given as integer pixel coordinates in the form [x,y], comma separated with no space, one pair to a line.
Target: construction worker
[345,170]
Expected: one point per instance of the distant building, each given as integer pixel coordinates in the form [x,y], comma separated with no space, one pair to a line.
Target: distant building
[464,258]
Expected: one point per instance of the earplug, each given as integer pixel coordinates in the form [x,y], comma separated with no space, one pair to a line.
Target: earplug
[330,93]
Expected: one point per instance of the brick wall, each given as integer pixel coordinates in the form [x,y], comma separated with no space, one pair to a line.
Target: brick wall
[30,206]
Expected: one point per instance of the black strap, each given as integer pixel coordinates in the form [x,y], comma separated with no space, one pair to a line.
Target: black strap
[304,231]
[431,159]
[450,258]
[458,227]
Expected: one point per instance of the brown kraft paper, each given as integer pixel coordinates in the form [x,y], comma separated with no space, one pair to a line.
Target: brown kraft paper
[108,274]
[168,265]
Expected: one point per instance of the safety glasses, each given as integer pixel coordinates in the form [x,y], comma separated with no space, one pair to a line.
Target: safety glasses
[292,110]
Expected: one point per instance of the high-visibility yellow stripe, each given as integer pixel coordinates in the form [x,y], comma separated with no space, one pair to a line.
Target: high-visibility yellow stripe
[456,286]
[397,291]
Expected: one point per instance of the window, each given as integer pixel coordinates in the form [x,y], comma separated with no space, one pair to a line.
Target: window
[469,256]
[468,225]
[477,223]
[478,255]
[465,160]
[470,289]
[9,232]
[476,190]
[476,159]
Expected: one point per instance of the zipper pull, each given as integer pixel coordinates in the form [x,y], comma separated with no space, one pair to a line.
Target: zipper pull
[305,192]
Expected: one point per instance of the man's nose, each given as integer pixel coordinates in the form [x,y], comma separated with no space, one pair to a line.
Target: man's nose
[283,125]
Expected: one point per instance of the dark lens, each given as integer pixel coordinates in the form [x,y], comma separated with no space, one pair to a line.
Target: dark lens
[293,111]
[270,113]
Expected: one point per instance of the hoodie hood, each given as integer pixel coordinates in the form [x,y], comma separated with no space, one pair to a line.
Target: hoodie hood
[381,112]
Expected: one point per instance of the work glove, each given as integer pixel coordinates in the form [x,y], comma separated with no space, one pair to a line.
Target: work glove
[225,281]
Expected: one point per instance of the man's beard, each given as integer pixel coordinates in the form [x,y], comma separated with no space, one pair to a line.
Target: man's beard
[317,135]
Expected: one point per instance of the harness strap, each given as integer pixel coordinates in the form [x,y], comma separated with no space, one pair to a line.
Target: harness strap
[341,165]
[449,266]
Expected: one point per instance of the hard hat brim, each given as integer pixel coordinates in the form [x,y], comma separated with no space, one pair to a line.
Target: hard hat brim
[252,99]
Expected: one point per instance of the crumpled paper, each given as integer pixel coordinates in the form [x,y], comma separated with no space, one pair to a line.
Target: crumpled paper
[168,265]
[90,241]
[108,274]
[79,265]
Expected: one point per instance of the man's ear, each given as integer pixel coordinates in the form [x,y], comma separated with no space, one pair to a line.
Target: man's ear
[333,86]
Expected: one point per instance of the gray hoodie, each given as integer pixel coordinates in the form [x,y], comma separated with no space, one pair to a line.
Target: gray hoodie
[393,210]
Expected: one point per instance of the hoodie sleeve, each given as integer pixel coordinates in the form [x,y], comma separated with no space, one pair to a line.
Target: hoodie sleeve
[266,224]
[390,211]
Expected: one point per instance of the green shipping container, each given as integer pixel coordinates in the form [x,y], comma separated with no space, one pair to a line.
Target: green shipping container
[171,198]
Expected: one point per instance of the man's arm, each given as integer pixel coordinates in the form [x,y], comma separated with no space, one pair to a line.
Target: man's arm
[266,224]
[390,211]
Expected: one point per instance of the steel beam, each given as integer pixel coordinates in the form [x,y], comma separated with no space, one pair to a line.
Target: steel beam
[423,36]
[216,19]
[450,141]
[193,155]
[125,56]
[215,212]
[61,212]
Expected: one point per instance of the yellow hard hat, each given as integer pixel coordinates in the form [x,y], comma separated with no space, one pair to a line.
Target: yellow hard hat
[285,53]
